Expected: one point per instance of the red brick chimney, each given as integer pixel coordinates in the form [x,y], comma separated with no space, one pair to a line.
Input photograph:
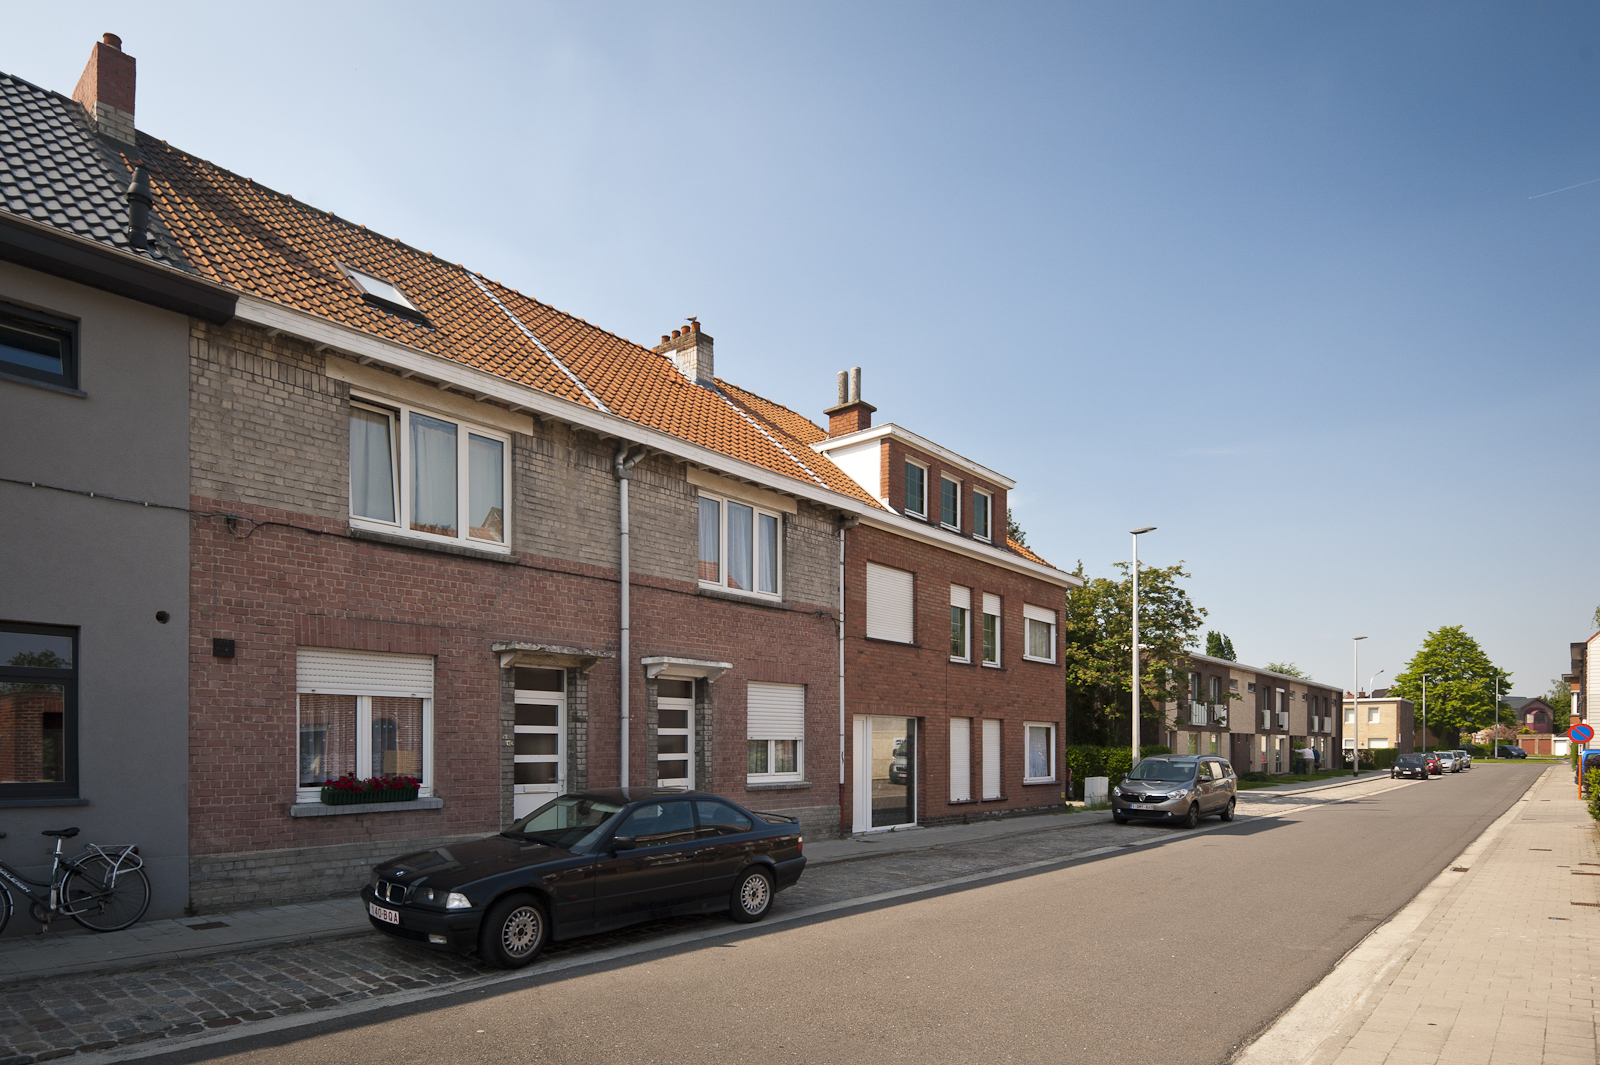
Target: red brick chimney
[851,415]
[106,89]
[690,351]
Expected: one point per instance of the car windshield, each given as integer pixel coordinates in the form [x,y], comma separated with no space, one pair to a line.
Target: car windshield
[571,822]
[1410,759]
[1162,770]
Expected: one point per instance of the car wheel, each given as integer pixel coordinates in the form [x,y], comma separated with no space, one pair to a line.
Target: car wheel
[1192,818]
[752,897]
[513,932]
[1227,811]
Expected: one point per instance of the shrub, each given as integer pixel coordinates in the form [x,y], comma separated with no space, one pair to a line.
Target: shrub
[1593,788]
[1382,758]
[1086,760]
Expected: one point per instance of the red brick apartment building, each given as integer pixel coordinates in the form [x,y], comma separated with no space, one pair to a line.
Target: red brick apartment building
[441,529]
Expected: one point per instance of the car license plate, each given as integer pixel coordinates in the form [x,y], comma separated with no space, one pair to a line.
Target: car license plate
[383,913]
[1142,805]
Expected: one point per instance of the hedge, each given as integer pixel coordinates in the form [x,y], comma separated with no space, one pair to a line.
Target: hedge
[1085,761]
[1381,758]
[1593,790]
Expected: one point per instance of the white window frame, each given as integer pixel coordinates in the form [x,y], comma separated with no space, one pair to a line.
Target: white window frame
[923,466]
[1374,715]
[364,748]
[1026,725]
[961,599]
[999,627]
[945,478]
[772,777]
[401,443]
[1029,620]
[758,510]
[672,702]
[558,700]
[363,770]
[987,535]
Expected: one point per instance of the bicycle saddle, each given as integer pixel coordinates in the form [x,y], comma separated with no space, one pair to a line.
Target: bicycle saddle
[64,833]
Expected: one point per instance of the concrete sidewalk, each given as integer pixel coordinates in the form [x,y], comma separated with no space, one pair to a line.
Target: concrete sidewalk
[1495,963]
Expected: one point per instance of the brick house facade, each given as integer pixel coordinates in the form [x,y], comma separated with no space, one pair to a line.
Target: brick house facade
[408,490]
[1255,718]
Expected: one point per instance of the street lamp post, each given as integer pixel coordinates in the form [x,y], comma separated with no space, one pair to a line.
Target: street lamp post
[1136,534]
[1355,698]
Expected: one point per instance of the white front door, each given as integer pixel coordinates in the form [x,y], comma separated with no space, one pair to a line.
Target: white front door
[885,772]
[674,733]
[540,739]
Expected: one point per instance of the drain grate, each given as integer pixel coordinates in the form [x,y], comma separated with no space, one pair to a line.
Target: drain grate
[1459,868]
[1545,849]
[1586,903]
[207,925]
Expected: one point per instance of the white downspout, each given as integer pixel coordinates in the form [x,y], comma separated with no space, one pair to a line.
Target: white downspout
[622,466]
[849,523]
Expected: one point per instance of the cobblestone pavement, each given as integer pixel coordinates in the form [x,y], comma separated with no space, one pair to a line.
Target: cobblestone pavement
[72,1015]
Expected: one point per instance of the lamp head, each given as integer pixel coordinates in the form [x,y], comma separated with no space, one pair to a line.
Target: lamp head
[1143,529]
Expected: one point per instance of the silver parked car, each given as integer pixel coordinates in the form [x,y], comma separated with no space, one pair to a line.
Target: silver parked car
[1450,762]
[1176,788]
[1466,759]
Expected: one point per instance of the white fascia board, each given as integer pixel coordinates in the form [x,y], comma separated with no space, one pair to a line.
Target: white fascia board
[316,329]
[921,443]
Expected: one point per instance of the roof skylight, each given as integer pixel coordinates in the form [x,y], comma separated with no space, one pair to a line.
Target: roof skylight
[379,289]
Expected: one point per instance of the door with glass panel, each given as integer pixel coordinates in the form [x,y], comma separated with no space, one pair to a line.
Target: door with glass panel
[540,742]
[885,771]
[674,733]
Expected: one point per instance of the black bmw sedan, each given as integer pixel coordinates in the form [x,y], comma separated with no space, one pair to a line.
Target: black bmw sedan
[588,862]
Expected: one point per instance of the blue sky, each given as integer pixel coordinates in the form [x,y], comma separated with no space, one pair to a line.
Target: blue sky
[1267,276]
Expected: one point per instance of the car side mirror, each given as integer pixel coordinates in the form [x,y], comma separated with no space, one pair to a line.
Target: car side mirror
[623,843]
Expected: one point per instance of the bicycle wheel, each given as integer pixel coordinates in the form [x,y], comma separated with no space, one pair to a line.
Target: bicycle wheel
[5,906]
[91,896]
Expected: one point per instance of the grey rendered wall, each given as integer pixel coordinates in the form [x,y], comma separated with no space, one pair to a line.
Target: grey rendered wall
[107,567]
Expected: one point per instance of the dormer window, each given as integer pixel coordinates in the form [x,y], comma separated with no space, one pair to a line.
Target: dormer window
[383,293]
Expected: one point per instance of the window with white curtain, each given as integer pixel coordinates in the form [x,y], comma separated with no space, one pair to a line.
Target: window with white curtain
[419,474]
[1041,646]
[362,714]
[740,546]
[1040,752]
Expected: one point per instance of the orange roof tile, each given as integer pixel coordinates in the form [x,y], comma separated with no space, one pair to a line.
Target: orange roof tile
[275,247]
[1020,549]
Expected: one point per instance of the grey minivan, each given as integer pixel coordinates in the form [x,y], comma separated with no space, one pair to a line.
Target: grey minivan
[1176,788]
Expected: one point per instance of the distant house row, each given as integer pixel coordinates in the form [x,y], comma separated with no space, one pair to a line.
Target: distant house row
[286,500]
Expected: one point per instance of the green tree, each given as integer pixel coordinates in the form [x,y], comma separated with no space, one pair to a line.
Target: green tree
[1461,683]
[1098,662]
[1219,646]
[1013,530]
[1595,621]
[1288,669]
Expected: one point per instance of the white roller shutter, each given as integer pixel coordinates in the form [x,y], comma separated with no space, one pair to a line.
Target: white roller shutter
[991,759]
[324,671]
[1038,613]
[991,604]
[960,759]
[889,603]
[776,711]
[961,597]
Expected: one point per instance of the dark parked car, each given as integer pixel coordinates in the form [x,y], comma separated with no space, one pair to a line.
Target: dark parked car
[1410,765]
[588,862]
[1512,752]
[1176,789]
[897,763]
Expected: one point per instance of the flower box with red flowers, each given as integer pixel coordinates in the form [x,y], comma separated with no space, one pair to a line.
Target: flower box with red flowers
[349,790]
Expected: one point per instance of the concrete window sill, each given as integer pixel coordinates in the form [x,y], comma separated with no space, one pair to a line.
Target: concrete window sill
[317,809]
[779,785]
[460,550]
[44,800]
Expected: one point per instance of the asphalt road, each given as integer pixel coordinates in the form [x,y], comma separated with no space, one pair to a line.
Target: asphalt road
[1179,951]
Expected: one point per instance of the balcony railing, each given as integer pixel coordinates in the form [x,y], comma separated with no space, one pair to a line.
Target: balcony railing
[1197,714]
[1208,713]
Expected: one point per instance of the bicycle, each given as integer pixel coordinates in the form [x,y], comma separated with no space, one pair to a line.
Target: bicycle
[104,889]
